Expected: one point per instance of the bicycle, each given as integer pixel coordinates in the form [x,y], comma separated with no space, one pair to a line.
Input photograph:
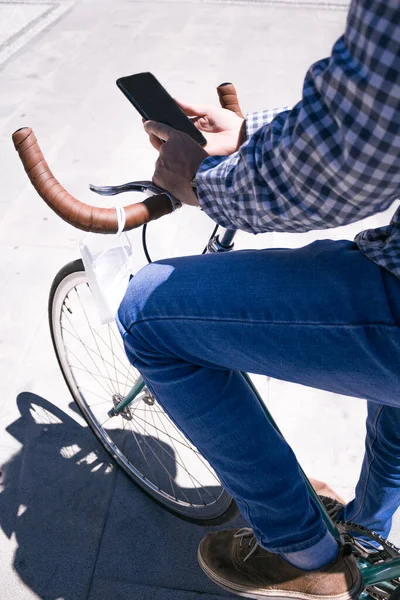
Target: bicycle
[113,398]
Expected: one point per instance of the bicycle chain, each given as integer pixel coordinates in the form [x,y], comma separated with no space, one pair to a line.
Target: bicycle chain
[348,528]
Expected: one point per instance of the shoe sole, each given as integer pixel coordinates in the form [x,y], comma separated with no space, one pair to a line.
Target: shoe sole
[352,594]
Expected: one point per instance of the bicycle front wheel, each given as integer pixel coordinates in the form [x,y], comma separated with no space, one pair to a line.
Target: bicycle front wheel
[143,440]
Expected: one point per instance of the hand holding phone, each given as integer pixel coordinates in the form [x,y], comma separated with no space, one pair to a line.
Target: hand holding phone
[153,102]
[179,161]
[225,130]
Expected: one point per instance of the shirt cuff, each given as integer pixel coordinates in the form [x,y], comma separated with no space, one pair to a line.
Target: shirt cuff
[258,119]
[210,180]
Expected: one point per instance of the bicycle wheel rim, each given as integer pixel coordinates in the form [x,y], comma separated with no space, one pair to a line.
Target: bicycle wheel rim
[200,502]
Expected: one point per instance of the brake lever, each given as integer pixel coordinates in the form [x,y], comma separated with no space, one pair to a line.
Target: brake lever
[132,186]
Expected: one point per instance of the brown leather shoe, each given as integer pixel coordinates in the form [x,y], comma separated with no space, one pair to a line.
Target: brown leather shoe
[234,561]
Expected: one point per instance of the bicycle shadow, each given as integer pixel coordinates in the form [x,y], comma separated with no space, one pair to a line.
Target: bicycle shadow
[79,521]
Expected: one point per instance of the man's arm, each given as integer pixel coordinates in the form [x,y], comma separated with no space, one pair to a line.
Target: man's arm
[332,159]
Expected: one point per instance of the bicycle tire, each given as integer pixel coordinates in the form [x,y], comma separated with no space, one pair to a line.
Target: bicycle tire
[70,299]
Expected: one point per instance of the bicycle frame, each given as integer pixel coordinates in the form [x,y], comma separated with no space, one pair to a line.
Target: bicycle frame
[372,574]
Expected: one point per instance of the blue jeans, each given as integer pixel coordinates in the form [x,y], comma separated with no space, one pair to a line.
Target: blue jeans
[324,316]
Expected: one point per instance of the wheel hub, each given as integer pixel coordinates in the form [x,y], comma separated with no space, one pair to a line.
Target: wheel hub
[125,412]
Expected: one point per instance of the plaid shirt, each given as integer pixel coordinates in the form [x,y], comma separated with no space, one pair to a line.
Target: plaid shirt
[332,159]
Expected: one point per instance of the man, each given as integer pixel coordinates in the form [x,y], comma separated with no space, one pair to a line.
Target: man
[326,315]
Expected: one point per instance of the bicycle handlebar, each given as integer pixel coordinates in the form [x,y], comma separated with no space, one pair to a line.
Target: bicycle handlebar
[84,216]
[74,212]
[228,98]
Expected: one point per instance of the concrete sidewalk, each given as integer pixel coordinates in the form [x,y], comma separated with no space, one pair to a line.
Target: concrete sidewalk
[72,526]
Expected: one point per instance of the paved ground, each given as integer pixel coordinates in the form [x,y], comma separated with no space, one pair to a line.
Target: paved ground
[72,527]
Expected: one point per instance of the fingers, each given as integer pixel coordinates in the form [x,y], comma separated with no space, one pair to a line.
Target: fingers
[163,132]
[192,110]
[155,141]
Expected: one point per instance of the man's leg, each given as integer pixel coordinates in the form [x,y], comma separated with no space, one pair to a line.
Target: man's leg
[317,316]
[378,489]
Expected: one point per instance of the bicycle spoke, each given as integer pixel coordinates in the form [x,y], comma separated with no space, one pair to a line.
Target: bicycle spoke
[119,344]
[95,353]
[108,391]
[179,456]
[81,387]
[194,450]
[108,348]
[95,374]
[119,341]
[141,450]
[106,421]
[99,403]
[164,468]
[112,352]
[145,438]
[173,458]
[168,434]
[188,447]
[88,353]
[158,437]
[91,330]
[136,408]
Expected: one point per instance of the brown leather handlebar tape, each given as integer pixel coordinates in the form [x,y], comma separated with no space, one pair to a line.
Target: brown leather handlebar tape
[228,98]
[76,213]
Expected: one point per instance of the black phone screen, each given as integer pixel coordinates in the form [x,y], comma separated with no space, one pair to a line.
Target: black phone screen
[154,103]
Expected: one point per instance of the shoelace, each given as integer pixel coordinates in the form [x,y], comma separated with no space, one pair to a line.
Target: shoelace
[332,506]
[246,532]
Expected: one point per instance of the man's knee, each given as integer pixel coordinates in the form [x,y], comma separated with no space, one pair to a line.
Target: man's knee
[144,295]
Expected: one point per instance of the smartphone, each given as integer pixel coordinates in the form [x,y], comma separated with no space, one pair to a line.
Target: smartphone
[154,103]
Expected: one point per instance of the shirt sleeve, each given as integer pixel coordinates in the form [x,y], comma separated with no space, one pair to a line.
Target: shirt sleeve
[332,159]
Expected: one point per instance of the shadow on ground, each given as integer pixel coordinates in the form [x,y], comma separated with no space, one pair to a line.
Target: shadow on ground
[83,529]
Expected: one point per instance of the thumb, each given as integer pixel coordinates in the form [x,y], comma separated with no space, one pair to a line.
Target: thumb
[193,110]
[159,129]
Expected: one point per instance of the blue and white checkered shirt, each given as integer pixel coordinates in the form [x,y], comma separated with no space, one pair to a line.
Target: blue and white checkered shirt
[332,159]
